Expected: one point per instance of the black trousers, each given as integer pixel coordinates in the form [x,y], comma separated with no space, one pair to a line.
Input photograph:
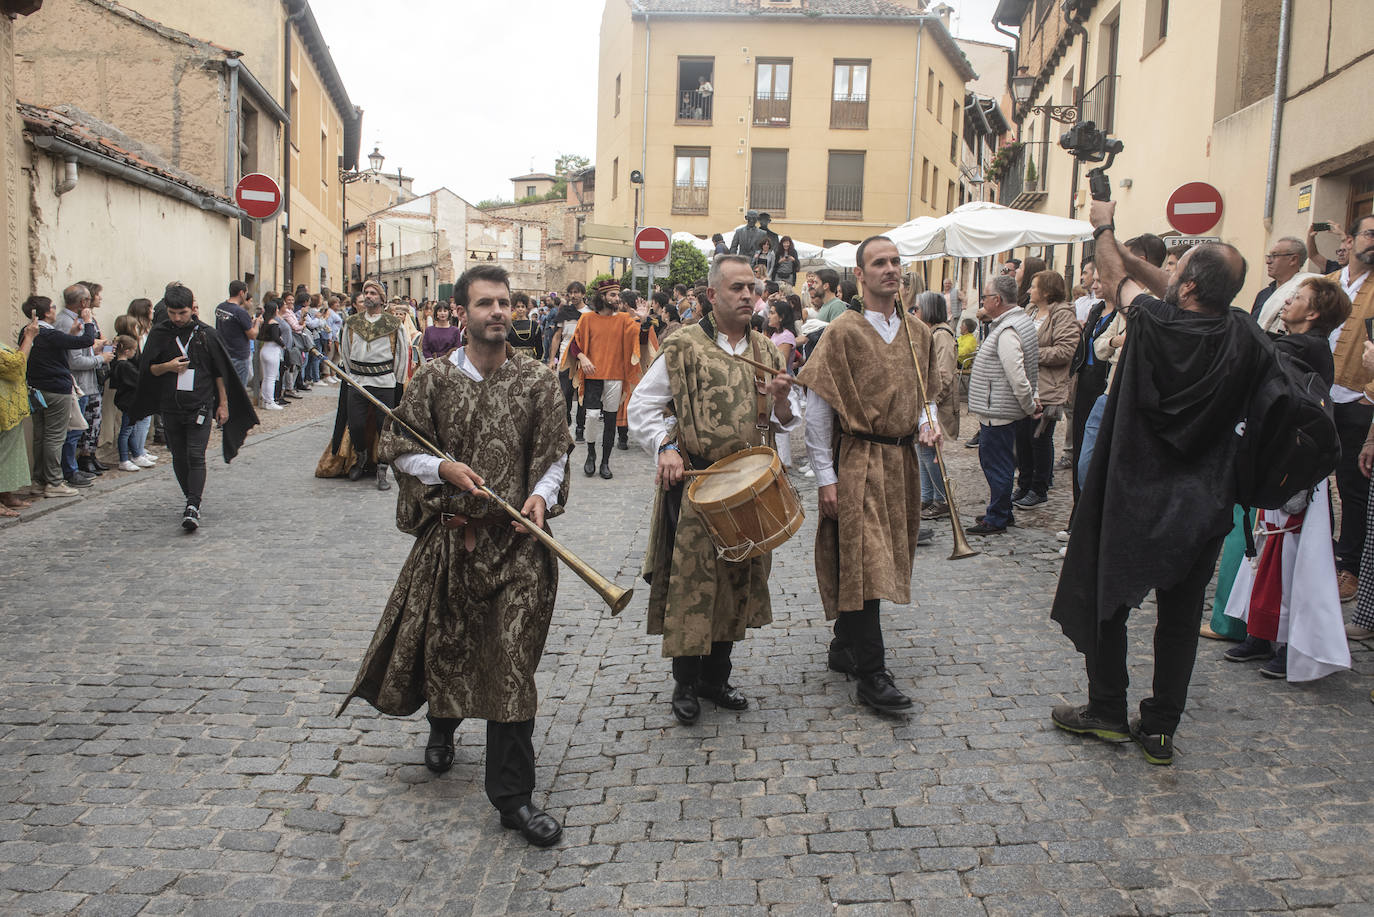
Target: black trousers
[1352,424]
[360,409]
[862,632]
[186,440]
[1176,636]
[1034,455]
[510,761]
[569,396]
[712,670]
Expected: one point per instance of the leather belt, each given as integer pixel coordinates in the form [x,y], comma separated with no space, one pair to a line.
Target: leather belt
[882,440]
[469,527]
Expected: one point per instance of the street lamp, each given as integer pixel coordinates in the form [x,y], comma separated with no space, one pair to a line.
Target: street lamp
[346,178]
[1021,86]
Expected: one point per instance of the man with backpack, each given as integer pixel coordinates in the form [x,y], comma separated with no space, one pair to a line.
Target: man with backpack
[1157,499]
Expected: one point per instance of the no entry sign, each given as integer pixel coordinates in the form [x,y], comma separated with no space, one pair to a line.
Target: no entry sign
[258,196]
[651,244]
[1194,208]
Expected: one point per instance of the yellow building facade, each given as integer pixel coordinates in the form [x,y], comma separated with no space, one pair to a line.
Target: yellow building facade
[837,125]
[1191,92]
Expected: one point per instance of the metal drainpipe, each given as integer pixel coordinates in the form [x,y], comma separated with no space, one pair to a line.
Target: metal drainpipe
[231,160]
[69,178]
[915,105]
[285,241]
[1276,126]
[644,126]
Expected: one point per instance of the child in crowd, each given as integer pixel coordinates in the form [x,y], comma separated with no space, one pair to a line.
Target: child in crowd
[1289,600]
[968,342]
[124,381]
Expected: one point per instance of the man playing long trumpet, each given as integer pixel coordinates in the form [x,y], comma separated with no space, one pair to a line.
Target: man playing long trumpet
[696,405]
[466,623]
[863,415]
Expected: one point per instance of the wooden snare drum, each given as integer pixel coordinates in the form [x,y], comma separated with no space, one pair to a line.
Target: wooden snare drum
[748,504]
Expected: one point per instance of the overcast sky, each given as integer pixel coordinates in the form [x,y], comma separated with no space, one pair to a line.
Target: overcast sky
[466,94]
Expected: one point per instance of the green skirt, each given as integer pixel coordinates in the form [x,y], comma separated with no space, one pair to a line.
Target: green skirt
[1232,556]
[14,460]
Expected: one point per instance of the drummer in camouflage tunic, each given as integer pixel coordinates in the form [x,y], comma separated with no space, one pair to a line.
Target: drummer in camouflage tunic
[696,405]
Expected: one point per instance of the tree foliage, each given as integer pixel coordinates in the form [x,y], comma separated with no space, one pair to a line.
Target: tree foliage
[686,264]
[569,162]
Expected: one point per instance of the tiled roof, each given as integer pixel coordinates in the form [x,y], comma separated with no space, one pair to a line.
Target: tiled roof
[875,8]
[77,127]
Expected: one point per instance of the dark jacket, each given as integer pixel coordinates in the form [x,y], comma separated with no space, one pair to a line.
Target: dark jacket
[124,381]
[47,369]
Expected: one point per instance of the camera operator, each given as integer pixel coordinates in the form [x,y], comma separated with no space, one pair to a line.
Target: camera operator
[1156,502]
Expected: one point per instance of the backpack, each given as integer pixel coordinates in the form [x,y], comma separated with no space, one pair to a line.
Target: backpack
[1289,442]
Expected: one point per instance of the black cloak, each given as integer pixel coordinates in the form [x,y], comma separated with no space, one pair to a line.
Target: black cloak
[160,348]
[1161,484]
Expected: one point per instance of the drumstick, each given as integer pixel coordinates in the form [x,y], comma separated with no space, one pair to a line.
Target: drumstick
[764,367]
[693,474]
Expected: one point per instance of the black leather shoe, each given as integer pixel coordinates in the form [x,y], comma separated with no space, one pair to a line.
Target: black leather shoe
[606,467]
[439,749]
[382,482]
[686,707]
[841,659]
[589,468]
[622,439]
[87,464]
[98,465]
[982,528]
[580,435]
[539,827]
[726,695]
[878,692]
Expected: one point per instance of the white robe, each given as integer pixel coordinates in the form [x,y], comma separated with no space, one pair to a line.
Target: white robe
[1310,620]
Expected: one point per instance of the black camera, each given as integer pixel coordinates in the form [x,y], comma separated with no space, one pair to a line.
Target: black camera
[1088,144]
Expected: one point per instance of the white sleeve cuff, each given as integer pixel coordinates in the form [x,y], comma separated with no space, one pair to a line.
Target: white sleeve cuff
[420,465]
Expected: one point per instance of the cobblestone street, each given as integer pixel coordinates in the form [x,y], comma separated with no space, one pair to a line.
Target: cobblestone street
[168,739]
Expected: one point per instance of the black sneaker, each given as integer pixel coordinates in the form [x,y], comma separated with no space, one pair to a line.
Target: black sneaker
[1250,649]
[1278,666]
[1080,721]
[1031,498]
[190,520]
[1019,494]
[1157,749]
[982,528]
[925,536]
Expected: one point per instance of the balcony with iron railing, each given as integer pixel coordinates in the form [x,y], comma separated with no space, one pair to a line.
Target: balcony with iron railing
[849,110]
[772,109]
[1098,104]
[690,197]
[1021,175]
[844,202]
[770,196]
[693,106]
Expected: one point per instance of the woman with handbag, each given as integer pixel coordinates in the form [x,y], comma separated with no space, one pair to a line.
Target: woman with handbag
[54,401]
[14,407]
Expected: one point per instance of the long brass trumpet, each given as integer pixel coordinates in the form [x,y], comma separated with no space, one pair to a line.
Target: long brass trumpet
[961,545]
[610,593]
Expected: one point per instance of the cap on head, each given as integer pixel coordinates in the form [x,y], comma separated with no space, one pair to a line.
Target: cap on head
[374,285]
[606,286]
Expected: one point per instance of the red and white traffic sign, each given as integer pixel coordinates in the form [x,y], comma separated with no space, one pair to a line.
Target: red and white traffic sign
[1194,208]
[258,196]
[651,244]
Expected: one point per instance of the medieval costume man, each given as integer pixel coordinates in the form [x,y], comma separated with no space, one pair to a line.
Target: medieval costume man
[861,433]
[1157,499]
[465,627]
[696,405]
[608,352]
[374,347]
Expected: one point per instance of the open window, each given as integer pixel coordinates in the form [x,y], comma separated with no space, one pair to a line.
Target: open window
[695,89]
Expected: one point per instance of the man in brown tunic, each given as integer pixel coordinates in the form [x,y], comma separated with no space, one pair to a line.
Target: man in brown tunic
[696,405]
[465,627]
[862,420]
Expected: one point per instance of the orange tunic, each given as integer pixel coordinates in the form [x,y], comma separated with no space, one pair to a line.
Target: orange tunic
[611,342]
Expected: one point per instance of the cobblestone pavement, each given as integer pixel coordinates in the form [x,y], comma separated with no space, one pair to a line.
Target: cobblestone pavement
[168,741]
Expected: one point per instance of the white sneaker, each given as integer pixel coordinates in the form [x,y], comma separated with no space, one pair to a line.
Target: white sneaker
[273,406]
[1064,551]
[60,490]
[129,466]
[1062,535]
[144,461]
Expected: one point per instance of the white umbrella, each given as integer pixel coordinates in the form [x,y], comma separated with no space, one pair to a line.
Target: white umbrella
[975,230]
